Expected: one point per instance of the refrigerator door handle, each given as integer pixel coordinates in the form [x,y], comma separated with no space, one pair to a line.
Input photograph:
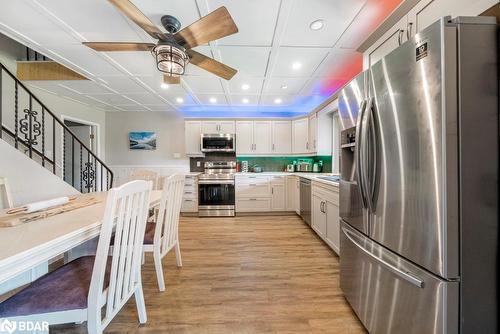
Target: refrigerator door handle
[357,156]
[370,179]
[365,162]
[407,276]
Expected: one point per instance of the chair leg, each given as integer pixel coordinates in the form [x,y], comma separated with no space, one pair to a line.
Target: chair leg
[141,305]
[159,270]
[143,257]
[93,327]
[178,257]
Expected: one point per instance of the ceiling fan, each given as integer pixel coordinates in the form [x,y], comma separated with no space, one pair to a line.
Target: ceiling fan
[173,51]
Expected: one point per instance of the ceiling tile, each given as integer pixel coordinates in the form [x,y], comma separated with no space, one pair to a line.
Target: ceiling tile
[251,61]
[276,100]
[192,69]
[209,85]
[241,100]
[123,84]
[83,86]
[133,107]
[336,16]
[136,63]
[285,85]
[220,99]
[159,107]
[255,20]
[308,58]
[238,82]
[146,98]
[113,99]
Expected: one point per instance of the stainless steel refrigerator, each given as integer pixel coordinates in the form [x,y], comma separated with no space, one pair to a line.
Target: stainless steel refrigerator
[419,184]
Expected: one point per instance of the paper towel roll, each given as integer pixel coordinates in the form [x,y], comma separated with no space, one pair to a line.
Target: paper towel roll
[42,205]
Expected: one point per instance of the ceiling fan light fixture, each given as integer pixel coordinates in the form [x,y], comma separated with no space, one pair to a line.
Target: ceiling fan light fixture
[170,59]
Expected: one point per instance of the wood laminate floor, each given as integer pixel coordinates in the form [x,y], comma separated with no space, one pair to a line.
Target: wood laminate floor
[268,274]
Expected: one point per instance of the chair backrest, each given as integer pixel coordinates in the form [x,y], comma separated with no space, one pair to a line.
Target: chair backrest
[126,211]
[5,195]
[167,224]
[146,175]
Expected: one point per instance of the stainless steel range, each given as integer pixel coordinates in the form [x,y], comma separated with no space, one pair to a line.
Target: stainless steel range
[216,189]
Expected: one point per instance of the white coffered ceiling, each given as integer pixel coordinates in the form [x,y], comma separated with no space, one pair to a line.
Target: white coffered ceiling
[284,67]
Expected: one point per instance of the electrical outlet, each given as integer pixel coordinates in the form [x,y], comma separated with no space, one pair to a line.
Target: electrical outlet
[198,163]
[177,155]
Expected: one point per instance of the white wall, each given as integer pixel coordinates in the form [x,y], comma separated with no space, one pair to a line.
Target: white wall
[29,182]
[169,128]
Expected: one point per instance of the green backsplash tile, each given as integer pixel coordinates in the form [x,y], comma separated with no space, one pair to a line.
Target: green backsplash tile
[278,164]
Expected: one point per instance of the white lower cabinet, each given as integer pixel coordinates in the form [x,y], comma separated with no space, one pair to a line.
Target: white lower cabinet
[261,193]
[291,191]
[190,195]
[325,214]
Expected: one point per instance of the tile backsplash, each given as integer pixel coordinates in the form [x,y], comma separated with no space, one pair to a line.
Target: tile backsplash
[278,164]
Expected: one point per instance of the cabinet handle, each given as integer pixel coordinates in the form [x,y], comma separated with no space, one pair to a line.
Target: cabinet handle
[307,145]
[273,147]
[272,191]
[400,36]
[252,199]
[252,184]
[408,30]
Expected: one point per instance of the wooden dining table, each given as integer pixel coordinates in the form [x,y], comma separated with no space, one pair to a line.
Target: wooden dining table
[31,244]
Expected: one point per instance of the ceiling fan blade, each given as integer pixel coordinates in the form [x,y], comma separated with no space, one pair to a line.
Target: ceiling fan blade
[133,13]
[215,25]
[211,65]
[171,80]
[117,46]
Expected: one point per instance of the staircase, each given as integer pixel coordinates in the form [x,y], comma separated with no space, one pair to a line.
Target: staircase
[29,126]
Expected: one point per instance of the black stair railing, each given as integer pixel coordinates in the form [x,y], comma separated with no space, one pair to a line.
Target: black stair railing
[28,125]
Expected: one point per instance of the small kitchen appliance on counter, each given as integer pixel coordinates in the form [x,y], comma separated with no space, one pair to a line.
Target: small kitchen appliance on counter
[305,165]
[290,168]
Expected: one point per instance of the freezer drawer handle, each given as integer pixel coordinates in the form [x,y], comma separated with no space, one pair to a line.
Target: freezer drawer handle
[404,275]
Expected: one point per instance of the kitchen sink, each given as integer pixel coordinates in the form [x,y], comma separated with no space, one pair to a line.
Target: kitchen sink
[332,178]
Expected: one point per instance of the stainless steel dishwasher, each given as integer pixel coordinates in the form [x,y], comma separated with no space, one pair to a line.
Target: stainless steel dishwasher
[305,200]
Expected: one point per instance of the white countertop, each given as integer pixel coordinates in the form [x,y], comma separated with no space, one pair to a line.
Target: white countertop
[310,176]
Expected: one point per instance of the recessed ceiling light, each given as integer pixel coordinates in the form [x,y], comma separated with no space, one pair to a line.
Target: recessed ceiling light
[179,100]
[245,100]
[316,25]
[164,85]
[296,65]
[245,86]
[278,100]
[213,100]
[284,86]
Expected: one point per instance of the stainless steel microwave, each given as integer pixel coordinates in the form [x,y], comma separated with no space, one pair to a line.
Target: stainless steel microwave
[218,142]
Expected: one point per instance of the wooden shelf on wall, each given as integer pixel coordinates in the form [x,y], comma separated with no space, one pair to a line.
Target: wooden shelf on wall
[45,70]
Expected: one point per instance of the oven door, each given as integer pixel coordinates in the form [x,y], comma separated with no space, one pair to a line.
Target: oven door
[216,194]
[217,143]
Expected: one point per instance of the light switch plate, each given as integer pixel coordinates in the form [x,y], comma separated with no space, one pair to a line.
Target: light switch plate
[198,163]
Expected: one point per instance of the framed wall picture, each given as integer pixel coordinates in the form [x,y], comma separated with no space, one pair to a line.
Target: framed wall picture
[142,140]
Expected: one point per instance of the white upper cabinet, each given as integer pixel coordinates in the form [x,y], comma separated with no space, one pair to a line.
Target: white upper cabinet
[192,134]
[388,42]
[282,137]
[218,127]
[244,137]
[313,133]
[300,128]
[262,137]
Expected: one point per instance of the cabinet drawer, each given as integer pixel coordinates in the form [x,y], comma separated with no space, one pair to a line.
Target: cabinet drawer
[189,205]
[246,179]
[279,179]
[191,194]
[253,205]
[190,181]
[253,190]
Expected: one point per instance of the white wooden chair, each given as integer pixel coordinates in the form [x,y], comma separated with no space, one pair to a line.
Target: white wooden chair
[163,235]
[146,175]
[77,291]
[5,194]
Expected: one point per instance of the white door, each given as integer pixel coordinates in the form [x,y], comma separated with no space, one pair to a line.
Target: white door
[313,133]
[226,127]
[297,195]
[318,217]
[290,193]
[333,226]
[278,202]
[300,135]
[192,134]
[262,137]
[244,137]
[210,127]
[282,137]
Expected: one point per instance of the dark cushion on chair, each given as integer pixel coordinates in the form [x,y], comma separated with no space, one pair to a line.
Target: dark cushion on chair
[149,234]
[66,288]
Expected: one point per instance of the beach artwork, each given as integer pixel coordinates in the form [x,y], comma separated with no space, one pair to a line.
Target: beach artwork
[142,140]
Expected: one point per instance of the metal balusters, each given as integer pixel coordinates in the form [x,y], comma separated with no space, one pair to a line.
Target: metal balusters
[43,136]
[101,177]
[30,127]
[1,100]
[73,161]
[53,145]
[95,174]
[63,159]
[16,117]
[81,169]
[88,169]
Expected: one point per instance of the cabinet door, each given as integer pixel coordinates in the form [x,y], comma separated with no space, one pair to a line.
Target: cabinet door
[226,127]
[278,202]
[300,135]
[333,226]
[290,193]
[210,127]
[262,137]
[244,137]
[318,216]
[390,41]
[313,133]
[192,134]
[297,195]
[282,137]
